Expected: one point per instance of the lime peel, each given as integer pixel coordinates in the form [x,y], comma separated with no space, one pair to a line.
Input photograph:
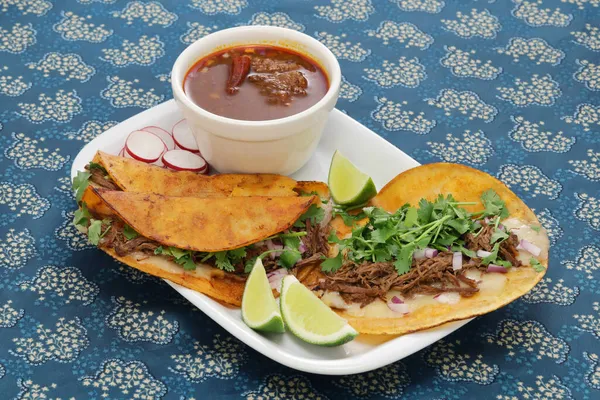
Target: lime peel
[309,318]
[259,308]
[348,185]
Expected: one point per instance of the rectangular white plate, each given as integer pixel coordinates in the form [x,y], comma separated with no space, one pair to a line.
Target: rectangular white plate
[373,155]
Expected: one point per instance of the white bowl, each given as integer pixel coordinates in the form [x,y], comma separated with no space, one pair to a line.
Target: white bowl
[278,146]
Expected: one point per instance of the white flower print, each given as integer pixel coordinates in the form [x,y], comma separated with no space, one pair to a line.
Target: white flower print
[62,344]
[581,3]
[467,103]
[17,39]
[544,389]
[388,381]
[590,323]
[275,19]
[551,225]
[590,168]
[529,179]
[341,48]
[66,283]
[72,27]
[428,6]
[545,292]
[341,10]
[476,24]
[151,13]
[588,74]
[589,38]
[70,66]
[16,249]
[89,130]
[588,210]
[533,15]
[135,325]
[279,387]
[587,261]
[195,31]
[145,52]
[61,107]
[122,93]
[586,115]
[394,117]
[35,7]
[534,138]
[593,376]
[221,360]
[473,148]
[211,7]
[29,153]
[406,72]
[455,367]
[23,200]
[12,85]
[530,337]
[462,64]
[404,32]
[535,49]
[120,379]
[349,91]
[9,316]
[541,91]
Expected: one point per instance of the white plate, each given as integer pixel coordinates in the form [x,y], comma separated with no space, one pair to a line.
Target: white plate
[373,155]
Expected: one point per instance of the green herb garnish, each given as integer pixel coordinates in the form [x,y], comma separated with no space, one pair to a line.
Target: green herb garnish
[332,264]
[185,258]
[536,265]
[537,228]
[95,232]
[314,213]
[129,232]
[80,183]
[82,218]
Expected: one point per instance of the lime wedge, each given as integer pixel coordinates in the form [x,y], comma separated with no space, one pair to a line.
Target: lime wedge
[309,318]
[259,308]
[348,185]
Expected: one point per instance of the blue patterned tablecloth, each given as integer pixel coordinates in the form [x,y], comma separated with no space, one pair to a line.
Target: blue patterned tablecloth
[507,87]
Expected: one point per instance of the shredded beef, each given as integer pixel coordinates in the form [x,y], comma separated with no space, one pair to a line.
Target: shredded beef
[262,64]
[140,243]
[482,240]
[280,86]
[363,283]
[99,179]
[508,250]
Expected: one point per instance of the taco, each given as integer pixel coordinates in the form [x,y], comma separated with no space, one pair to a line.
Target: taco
[439,243]
[205,244]
[120,173]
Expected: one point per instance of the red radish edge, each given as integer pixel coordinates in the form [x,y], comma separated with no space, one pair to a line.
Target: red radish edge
[178,142]
[162,134]
[144,158]
[183,160]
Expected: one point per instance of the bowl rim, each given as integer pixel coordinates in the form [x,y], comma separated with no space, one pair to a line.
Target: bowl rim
[270,32]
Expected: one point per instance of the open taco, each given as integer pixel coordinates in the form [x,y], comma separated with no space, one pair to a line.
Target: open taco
[206,244]
[439,243]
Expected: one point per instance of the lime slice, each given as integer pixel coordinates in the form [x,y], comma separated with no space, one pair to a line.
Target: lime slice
[259,308]
[348,185]
[309,318]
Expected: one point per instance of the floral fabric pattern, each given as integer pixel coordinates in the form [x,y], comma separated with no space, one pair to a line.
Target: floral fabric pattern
[509,87]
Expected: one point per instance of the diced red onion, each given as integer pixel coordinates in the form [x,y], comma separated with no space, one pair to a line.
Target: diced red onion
[448,298]
[529,247]
[398,307]
[457,260]
[302,247]
[487,220]
[483,253]
[430,253]
[419,254]
[273,246]
[275,278]
[496,268]
[501,227]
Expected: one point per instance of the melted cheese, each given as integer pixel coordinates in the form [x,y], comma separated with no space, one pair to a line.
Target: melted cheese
[202,270]
[524,231]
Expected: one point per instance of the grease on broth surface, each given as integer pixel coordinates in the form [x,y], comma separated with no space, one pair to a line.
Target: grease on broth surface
[256,83]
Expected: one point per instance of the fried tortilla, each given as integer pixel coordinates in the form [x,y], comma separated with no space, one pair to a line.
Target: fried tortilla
[204,224]
[134,176]
[426,311]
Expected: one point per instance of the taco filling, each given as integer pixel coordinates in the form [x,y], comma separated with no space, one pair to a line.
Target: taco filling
[431,249]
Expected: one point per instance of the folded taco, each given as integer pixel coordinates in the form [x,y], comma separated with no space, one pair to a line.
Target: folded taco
[206,244]
[439,243]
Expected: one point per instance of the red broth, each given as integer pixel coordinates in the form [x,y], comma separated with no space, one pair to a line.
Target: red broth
[256,83]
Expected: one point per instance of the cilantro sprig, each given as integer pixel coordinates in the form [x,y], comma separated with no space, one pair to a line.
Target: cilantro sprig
[396,236]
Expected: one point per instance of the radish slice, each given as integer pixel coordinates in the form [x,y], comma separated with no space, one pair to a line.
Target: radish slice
[183,160]
[144,146]
[184,138]
[164,135]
